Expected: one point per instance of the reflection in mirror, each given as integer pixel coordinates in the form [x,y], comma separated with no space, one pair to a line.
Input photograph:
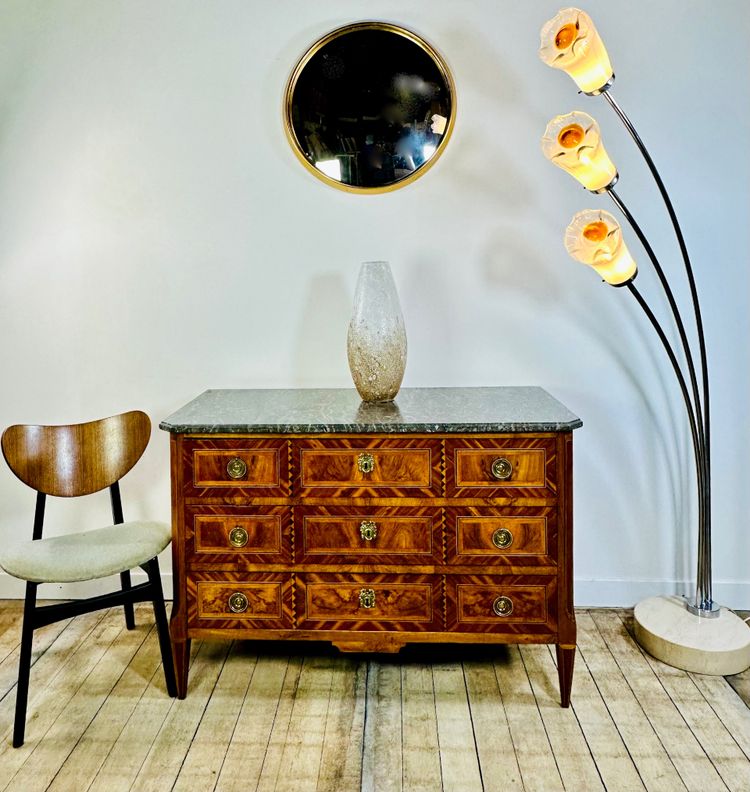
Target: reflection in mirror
[369,107]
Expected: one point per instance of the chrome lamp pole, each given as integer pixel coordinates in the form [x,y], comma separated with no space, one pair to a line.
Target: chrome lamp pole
[667,627]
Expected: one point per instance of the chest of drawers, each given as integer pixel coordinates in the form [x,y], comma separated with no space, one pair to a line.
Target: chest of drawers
[443,517]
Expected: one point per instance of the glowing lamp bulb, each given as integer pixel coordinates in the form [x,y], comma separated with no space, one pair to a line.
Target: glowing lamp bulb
[573,143]
[594,237]
[570,42]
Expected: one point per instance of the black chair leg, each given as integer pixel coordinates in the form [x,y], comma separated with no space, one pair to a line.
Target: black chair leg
[24,665]
[162,626]
[128,607]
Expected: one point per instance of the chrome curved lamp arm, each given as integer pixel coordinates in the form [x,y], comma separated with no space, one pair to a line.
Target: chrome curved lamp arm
[685,257]
[704,595]
[703,599]
[673,307]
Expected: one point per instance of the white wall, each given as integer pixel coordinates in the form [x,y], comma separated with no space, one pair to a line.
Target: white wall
[158,237]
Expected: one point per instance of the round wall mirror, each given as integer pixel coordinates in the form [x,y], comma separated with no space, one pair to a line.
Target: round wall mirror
[370,107]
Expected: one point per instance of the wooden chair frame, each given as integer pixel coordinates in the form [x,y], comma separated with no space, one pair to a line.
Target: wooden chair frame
[133,431]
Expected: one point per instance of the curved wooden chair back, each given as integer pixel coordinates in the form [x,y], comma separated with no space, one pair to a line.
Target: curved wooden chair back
[77,459]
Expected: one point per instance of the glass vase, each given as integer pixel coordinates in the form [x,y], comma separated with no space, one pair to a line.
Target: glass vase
[376,342]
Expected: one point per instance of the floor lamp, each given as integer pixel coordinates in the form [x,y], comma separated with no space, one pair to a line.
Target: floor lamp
[697,635]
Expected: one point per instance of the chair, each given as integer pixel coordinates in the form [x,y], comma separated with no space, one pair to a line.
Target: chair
[69,461]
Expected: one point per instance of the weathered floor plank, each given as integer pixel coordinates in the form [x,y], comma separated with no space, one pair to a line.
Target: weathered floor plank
[164,760]
[690,760]
[459,761]
[54,681]
[259,718]
[209,746]
[83,763]
[730,762]
[382,766]
[572,753]
[500,769]
[643,744]
[303,747]
[244,759]
[50,754]
[420,748]
[533,750]
[271,767]
[612,759]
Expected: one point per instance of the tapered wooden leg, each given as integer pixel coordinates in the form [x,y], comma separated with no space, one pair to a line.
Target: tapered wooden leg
[566,656]
[181,649]
[162,626]
[128,607]
[24,665]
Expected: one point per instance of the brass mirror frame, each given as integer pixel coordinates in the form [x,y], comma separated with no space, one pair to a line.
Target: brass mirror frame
[313,50]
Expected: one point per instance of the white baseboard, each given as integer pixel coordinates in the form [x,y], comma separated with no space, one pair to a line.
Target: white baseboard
[734,594]
[588,593]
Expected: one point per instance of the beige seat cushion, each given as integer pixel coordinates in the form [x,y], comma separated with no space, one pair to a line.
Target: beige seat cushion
[86,555]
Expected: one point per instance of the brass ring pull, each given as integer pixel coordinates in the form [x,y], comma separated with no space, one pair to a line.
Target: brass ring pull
[368,530]
[502,606]
[365,463]
[502,469]
[238,536]
[367,598]
[236,468]
[237,602]
[502,538]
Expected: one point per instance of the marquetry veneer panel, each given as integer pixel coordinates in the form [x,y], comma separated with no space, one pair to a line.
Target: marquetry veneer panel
[499,537]
[238,535]
[399,602]
[207,463]
[344,534]
[470,604]
[269,599]
[401,467]
[468,467]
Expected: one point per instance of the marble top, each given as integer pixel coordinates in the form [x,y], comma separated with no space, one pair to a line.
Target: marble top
[424,410]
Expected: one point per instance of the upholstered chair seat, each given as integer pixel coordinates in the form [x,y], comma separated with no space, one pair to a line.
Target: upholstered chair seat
[86,555]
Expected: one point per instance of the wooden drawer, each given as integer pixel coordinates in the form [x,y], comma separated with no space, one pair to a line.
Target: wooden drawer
[503,467]
[367,467]
[238,535]
[236,468]
[369,602]
[517,604]
[501,537]
[342,534]
[262,600]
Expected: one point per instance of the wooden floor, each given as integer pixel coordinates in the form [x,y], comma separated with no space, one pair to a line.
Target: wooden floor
[259,718]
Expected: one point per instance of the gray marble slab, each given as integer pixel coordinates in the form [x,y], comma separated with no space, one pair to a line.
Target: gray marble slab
[424,410]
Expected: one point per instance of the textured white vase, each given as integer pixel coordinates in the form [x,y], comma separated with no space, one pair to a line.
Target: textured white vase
[376,343]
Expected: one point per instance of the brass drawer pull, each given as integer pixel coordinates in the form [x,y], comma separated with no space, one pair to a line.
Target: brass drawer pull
[236,468]
[367,598]
[502,606]
[502,469]
[502,538]
[368,530]
[238,536]
[365,463]
[237,602]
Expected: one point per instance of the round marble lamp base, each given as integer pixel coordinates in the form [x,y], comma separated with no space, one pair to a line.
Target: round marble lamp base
[669,632]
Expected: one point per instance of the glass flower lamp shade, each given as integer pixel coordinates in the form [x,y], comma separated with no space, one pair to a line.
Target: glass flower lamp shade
[571,42]
[595,238]
[573,142]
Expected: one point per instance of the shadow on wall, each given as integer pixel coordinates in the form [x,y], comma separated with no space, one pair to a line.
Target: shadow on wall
[320,357]
[490,160]
[512,265]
